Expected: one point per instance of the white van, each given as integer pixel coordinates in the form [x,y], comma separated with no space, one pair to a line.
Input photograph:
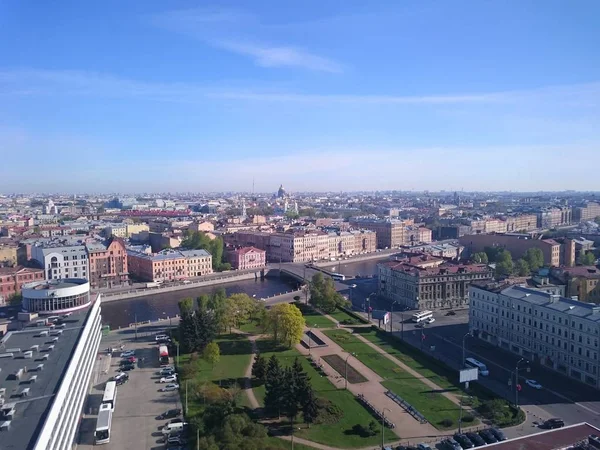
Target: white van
[173,427]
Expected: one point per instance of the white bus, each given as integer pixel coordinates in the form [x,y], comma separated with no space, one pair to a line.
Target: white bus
[472,362]
[110,394]
[338,276]
[103,423]
[422,316]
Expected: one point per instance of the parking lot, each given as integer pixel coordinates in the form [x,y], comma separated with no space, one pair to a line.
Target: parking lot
[134,424]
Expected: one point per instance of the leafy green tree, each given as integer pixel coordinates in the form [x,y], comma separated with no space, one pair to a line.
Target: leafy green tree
[259,367]
[323,294]
[586,259]
[212,353]
[480,258]
[203,301]
[186,306]
[522,268]
[504,268]
[206,328]
[534,258]
[286,324]
[492,253]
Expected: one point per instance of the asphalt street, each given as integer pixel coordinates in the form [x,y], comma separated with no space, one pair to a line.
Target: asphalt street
[559,397]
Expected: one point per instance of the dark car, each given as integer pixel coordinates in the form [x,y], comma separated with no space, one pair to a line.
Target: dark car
[170,414]
[499,434]
[553,423]
[173,441]
[450,313]
[475,439]
[126,367]
[488,436]
[450,444]
[463,440]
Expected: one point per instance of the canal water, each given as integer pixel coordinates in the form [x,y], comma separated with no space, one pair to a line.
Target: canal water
[120,313]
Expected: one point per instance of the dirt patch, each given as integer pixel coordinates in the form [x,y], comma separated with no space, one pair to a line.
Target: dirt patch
[339,365]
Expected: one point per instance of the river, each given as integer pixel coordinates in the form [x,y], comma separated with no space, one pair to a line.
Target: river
[121,313]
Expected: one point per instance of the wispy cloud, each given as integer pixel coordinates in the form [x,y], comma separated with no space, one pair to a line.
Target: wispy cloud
[32,82]
[233,30]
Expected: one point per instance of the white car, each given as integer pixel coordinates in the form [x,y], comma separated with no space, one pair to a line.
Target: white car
[128,353]
[431,320]
[169,379]
[170,387]
[161,337]
[534,384]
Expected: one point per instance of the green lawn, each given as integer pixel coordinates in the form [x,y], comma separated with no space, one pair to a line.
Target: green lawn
[341,316]
[434,406]
[251,327]
[274,442]
[314,319]
[330,434]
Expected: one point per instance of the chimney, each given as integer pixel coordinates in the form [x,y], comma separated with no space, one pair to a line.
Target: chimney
[554,298]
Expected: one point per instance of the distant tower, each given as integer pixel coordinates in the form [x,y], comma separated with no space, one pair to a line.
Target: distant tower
[296,207]
[244,215]
[285,206]
[281,192]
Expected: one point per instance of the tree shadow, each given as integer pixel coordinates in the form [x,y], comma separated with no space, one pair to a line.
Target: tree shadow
[235,347]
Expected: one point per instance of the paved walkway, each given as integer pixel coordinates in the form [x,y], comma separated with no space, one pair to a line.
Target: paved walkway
[249,391]
[407,426]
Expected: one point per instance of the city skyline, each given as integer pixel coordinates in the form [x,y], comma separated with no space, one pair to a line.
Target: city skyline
[148,97]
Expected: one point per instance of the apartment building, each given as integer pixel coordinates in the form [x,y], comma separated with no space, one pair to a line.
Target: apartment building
[555,253]
[247,258]
[8,254]
[60,259]
[557,332]
[524,222]
[108,263]
[12,278]
[587,212]
[554,217]
[390,232]
[169,265]
[424,282]
[581,282]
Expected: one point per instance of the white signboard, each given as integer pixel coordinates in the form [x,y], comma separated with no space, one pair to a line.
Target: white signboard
[470,374]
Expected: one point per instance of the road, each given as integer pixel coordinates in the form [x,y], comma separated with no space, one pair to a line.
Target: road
[559,397]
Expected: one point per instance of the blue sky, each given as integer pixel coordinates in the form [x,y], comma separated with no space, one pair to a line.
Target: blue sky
[318,95]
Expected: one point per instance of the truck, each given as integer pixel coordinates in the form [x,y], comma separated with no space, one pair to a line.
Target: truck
[163,354]
[152,284]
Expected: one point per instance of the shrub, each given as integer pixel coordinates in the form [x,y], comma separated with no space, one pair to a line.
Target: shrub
[350,322]
[329,413]
[373,427]
[468,418]
[446,423]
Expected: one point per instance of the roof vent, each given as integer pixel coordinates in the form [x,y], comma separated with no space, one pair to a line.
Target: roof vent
[571,307]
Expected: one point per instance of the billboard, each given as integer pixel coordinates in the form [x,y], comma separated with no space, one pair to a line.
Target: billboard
[470,374]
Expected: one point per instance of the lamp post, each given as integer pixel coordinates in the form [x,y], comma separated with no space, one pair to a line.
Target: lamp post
[346,369]
[309,340]
[383,426]
[369,304]
[464,348]
[517,380]
[402,325]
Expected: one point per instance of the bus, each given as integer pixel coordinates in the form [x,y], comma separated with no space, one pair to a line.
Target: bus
[103,423]
[110,394]
[338,276]
[482,368]
[421,316]
[163,354]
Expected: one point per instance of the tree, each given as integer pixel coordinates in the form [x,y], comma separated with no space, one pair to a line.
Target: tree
[212,353]
[534,258]
[203,301]
[259,367]
[323,294]
[310,409]
[492,253]
[15,299]
[522,268]
[200,240]
[286,323]
[274,386]
[586,259]
[186,305]
[480,258]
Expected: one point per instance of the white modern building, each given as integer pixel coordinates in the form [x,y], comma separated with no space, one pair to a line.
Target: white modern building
[62,368]
[557,332]
[56,296]
[62,261]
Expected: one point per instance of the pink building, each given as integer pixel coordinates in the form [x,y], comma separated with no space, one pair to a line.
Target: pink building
[247,258]
[169,265]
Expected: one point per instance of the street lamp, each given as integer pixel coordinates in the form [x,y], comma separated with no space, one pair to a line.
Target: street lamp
[369,306]
[346,369]
[383,426]
[309,336]
[517,380]
[402,325]
[463,347]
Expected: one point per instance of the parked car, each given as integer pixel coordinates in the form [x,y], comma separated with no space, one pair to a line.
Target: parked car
[169,379]
[131,359]
[170,387]
[450,313]
[126,362]
[498,433]
[475,439]
[127,367]
[463,440]
[176,441]
[450,444]
[488,436]
[431,320]
[121,378]
[166,371]
[553,423]
[169,414]
[128,353]
[423,446]
[532,383]
[161,337]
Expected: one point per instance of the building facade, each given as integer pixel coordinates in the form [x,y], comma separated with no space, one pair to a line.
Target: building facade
[8,255]
[517,246]
[582,282]
[247,258]
[587,212]
[523,222]
[13,278]
[390,232]
[61,261]
[557,332]
[108,263]
[169,265]
[424,282]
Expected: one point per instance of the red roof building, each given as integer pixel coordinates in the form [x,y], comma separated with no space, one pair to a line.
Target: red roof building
[247,258]
[12,278]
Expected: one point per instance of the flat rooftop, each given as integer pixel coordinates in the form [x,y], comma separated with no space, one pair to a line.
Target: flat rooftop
[560,438]
[31,411]
[54,285]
